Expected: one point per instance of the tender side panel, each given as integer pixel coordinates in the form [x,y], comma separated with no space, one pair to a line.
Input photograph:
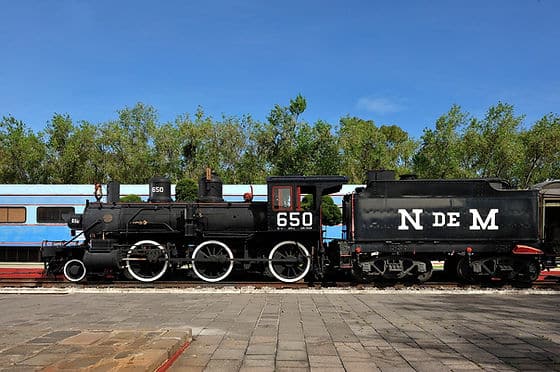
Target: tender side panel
[479,215]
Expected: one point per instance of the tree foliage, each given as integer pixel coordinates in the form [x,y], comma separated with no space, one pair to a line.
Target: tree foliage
[365,146]
[131,198]
[330,212]
[493,146]
[22,153]
[186,190]
[443,143]
[135,146]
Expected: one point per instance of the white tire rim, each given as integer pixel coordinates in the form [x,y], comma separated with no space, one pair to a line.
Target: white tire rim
[138,277]
[229,253]
[66,266]
[280,277]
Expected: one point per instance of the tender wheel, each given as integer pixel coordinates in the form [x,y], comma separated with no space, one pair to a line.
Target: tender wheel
[147,261]
[289,261]
[74,270]
[529,271]
[424,277]
[212,261]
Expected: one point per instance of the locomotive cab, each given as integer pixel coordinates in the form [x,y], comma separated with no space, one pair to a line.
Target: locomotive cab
[285,195]
[296,230]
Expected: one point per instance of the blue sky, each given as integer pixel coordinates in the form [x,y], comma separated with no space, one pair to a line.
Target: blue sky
[396,62]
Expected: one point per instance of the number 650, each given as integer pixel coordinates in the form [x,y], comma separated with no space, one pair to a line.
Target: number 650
[294,219]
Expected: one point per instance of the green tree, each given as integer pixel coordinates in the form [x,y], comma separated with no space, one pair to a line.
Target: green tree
[364,146]
[186,190]
[167,151]
[22,153]
[206,142]
[127,145]
[330,212]
[131,198]
[323,152]
[399,149]
[493,145]
[542,151]
[441,153]
[286,142]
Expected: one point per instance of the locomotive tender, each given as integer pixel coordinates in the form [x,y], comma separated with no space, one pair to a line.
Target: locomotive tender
[391,230]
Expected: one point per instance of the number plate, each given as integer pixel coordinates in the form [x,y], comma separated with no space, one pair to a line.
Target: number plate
[294,220]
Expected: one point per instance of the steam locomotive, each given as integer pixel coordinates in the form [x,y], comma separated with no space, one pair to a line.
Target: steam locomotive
[392,229]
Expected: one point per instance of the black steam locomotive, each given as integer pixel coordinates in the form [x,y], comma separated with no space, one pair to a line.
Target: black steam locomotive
[391,230]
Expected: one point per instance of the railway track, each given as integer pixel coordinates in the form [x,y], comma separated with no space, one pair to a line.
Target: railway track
[105,284]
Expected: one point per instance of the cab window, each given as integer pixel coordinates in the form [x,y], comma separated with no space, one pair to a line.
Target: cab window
[282,198]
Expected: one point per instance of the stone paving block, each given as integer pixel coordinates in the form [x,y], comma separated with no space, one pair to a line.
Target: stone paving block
[324,361]
[429,366]
[229,343]
[291,345]
[321,348]
[292,364]
[170,345]
[462,364]
[143,360]
[263,348]
[19,368]
[256,369]
[354,366]
[223,365]
[104,366]
[499,366]
[291,355]
[56,336]
[351,350]
[176,368]
[392,365]
[75,363]
[187,360]
[222,353]
[260,363]
[24,349]
[262,339]
[44,358]
[183,335]
[205,344]
[85,338]
[411,354]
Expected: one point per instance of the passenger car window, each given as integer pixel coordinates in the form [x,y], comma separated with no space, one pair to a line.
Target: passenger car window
[12,214]
[53,214]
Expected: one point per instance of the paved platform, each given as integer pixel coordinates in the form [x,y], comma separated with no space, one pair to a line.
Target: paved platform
[285,330]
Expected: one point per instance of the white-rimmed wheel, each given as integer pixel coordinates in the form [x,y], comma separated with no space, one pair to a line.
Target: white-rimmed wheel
[74,270]
[147,261]
[212,261]
[289,261]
